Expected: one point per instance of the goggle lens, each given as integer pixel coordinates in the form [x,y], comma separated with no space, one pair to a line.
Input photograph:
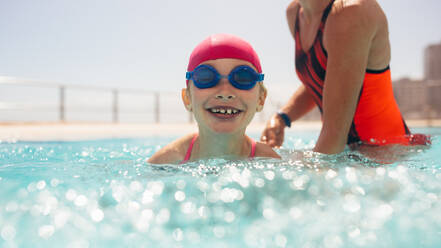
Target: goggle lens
[204,76]
[244,76]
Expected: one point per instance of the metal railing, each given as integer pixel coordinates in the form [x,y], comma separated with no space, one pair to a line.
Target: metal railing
[66,99]
[62,90]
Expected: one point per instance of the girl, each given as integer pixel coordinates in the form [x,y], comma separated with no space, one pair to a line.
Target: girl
[224,91]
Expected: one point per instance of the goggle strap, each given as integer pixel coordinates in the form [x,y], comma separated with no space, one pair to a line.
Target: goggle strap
[260,77]
[188,75]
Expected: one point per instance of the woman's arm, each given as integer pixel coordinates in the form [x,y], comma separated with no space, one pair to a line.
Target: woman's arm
[300,103]
[348,35]
[291,16]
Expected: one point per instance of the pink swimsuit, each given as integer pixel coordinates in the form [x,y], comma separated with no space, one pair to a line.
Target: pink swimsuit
[190,148]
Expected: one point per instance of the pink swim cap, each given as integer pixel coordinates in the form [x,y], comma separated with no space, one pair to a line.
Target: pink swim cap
[222,46]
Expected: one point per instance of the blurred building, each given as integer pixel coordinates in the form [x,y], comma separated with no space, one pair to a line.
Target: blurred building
[411,96]
[421,99]
[432,62]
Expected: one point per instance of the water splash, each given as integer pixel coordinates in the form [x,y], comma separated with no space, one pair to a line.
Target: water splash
[103,193]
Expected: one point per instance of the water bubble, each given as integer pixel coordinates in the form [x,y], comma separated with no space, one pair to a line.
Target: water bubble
[350,175]
[55,182]
[354,232]
[32,187]
[143,223]
[358,190]
[97,215]
[41,185]
[259,182]
[188,207]
[288,175]
[180,196]
[295,213]
[203,212]
[299,182]
[156,187]
[133,206]
[229,195]
[46,231]
[71,195]
[80,200]
[163,216]
[281,240]
[178,235]
[219,231]
[180,184]
[393,174]
[203,186]
[229,216]
[147,197]
[330,174]
[268,213]
[135,186]
[351,203]
[61,217]
[269,175]
[8,232]
[383,211]
[381,171]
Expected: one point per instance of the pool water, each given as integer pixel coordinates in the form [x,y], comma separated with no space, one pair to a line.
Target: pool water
[102,193]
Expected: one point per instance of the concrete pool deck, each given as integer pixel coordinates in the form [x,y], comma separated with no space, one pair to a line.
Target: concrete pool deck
[81,131]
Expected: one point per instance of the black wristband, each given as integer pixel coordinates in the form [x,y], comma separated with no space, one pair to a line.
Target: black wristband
[285,118]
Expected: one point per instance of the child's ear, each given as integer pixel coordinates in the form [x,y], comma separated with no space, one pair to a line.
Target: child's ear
[185,94]
[262,97]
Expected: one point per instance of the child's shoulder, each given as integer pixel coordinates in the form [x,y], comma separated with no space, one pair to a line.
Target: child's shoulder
[264,150]
[173,152]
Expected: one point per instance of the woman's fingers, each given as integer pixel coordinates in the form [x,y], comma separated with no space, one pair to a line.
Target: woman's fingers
[273,133]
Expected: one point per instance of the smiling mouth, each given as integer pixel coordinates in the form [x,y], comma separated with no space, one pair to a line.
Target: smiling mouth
[224,112]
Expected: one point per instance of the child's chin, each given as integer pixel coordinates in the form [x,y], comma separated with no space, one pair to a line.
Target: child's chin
[225,129]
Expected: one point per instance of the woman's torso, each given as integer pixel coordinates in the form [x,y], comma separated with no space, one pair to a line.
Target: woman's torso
[377,118]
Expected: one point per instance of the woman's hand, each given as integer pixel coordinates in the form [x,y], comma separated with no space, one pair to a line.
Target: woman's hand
[274,132]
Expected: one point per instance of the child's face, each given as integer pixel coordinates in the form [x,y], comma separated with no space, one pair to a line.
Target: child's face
[224,108]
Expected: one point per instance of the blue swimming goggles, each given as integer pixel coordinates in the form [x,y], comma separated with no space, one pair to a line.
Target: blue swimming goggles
[242,77]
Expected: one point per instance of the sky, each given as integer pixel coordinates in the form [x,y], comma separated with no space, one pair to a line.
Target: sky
[145,44]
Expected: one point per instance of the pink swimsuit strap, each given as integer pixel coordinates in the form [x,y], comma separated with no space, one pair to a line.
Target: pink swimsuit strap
[190,147]
[253,149]
[193,140]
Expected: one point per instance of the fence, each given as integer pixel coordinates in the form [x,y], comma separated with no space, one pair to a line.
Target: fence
[31,100]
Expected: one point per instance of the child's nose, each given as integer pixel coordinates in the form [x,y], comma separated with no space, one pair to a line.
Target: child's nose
[226,90]
[225,96]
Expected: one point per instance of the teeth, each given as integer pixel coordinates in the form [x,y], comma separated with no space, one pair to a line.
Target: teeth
[224,111]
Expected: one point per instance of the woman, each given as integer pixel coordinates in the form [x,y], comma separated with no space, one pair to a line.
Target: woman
[342,58]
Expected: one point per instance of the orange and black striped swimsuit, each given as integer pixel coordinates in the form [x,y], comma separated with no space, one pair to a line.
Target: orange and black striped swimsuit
[377,118]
